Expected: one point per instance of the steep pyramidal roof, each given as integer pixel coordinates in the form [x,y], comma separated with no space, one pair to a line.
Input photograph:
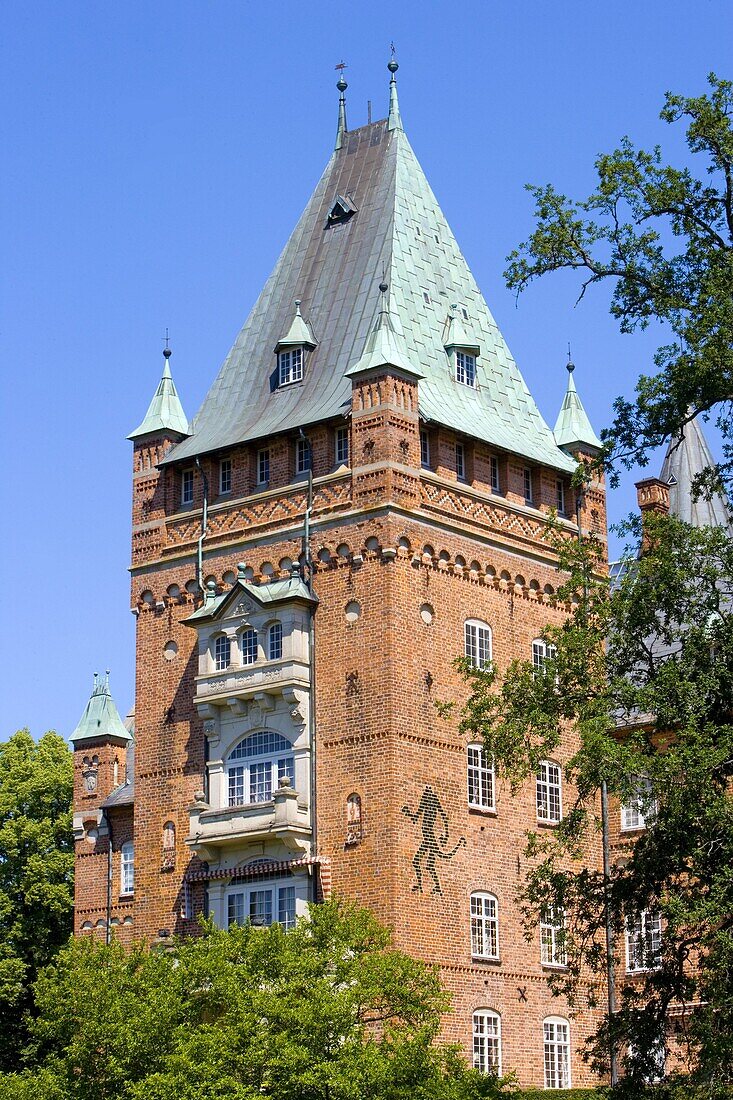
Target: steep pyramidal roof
[397,234]
[101,717]
[165,411]
[685,458]
[573,426]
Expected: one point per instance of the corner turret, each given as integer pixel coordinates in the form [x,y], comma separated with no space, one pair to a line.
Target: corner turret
[573,431]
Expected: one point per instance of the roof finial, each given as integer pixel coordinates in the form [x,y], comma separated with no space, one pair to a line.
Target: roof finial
[570,365]
[166,350]
[342,86]
[394,122]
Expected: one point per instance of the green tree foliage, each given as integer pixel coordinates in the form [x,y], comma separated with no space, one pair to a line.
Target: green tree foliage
[663,238]
[327,1011]
[36,872]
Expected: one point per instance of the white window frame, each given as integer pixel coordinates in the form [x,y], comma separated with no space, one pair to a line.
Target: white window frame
[461,461]
[127,868]
[424,449]
[250,897]
[477,642]
[466,368]
[556,1036]
[275,641]
[263,466]
[484,926]
[225,476]
[549,792]
[542,652]
[290,365]
[643,934]
[249,646]
[342,447]
[481,779]
[494,474]
[487,1041]
[560,496]
[302,456]
[222,652]
[528,485]
[552,937]
[636,813]
[253,777]
[187,487]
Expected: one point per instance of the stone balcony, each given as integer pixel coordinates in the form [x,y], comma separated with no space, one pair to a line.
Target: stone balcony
[235,687]
[281,820]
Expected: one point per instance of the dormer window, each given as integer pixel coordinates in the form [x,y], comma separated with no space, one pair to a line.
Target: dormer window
[465,368]
[290,364]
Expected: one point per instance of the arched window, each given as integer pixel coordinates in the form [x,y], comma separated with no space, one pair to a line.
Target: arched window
[353,819]
[484,926]
[222,653]
[127,868]
[557,1052]
[487,1041]
[275,642]
[256,766]
[541,654]
[248,646]
[477,643]
[552,937]
[480,778]
[549,793]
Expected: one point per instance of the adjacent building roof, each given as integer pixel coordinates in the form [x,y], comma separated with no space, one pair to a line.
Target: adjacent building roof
[573,428]
[687,457]
[100,718]
[165,412]
[280,591]
[124,795]
[397,234]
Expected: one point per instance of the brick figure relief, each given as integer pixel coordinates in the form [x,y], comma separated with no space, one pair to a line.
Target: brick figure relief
[434,826]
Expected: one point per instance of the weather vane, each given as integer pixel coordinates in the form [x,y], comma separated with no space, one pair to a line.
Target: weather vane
[341,66]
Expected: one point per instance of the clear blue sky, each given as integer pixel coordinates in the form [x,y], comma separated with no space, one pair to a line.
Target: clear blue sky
[155,158]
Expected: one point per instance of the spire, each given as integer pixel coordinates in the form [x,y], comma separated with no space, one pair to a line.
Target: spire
[101,718]
[299,333]
[384,347]
[165,412]
[573,428]
[342,86]
[394,122]
[685,458]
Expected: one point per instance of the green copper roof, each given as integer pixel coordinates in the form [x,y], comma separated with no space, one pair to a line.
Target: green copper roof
[290,588]
[100,717]
[573,426]
[384,347]
[456,335]
[399,235]
[298,334]
[165,412]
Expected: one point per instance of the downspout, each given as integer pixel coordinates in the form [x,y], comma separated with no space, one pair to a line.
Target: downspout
[204,526]
[610,938]
[308,563]
[108,928]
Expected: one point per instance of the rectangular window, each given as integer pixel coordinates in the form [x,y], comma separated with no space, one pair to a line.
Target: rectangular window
[552,938]
[560,496]
[342,446]
[291,366]
[465,368]
[640,806]
[528,486]
[263,467]
[557,1054]
[248,647]
[541,654]
[222,653]
[225,475]
[549,804]
[460,462]
[487,1042]
[187,487]
[494,473]
[480,779]
[484,927]
[236,786]
[424,449]
[477,643]
[275,642]
[643,941]
[260,782]
[261,905]
[127,868]
[286,906]
[302,456]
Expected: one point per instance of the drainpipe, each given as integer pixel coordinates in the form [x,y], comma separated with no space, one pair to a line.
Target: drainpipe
[204,525]
[311,656]
[108,929]
[610,937]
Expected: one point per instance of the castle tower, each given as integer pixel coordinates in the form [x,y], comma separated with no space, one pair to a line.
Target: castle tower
[361,498]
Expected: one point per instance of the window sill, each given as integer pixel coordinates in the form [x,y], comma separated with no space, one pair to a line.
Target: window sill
[548,824]
[483,811]
[491,960]
[632,829]
[126,895]
[554,966]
